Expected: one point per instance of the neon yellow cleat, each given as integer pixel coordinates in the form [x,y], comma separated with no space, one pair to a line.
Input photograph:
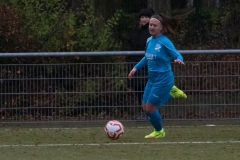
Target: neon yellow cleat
[177,93]
[155,134]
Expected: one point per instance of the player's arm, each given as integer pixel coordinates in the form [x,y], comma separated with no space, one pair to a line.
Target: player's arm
[171,50]
[141,63]
[138,66]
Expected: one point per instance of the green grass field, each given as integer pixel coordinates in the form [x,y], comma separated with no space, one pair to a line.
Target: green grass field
[187,142]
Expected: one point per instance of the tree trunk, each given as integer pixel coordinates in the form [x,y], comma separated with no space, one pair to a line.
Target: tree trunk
[205,3]
[160,6]
[106,8]
[189,3]
[74,4]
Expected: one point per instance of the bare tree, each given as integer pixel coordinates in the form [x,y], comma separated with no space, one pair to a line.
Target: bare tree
[106,8]
[211,3]
[189,3]
[204,3]
[160,6]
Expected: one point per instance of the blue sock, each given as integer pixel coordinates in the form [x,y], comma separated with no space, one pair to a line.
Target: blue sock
[156,120]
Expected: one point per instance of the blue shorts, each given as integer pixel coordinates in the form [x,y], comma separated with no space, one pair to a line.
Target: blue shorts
[158,87]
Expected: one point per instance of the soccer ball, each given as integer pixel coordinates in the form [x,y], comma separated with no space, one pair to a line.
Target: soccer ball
[114,129]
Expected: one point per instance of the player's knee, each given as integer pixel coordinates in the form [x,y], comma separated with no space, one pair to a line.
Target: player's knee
[149,108]
[144,107]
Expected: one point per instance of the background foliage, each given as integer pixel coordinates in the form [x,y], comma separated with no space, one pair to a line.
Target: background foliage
[33,25]
[88,25]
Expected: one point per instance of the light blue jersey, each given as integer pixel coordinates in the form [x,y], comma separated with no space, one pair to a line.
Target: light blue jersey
[158,55]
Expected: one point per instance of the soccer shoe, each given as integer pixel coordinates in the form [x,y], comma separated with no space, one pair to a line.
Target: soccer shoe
[177,93]
[155,134]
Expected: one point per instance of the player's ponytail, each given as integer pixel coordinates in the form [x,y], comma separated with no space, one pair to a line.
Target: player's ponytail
[170,24]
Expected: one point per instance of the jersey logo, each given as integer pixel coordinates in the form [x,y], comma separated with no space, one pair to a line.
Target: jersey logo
[157,47]
[150,57]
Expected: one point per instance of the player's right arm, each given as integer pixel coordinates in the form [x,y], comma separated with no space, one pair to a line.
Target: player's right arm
[138,66]
[141,63]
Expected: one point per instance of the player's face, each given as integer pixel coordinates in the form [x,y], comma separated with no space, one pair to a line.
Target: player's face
[144,20]
[155,27]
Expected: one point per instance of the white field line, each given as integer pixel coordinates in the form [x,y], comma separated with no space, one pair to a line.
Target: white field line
[118,144]
[74,128]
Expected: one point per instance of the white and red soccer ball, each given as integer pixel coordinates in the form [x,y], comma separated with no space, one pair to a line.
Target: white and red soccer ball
[114,129]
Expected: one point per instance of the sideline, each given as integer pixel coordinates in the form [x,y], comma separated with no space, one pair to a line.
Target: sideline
[86,128]
[111,144]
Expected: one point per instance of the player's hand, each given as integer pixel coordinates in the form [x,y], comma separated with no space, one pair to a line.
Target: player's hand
[132,72]
[179,61]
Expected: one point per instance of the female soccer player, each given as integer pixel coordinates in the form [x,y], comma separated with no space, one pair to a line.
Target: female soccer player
[159,52]
[137,42]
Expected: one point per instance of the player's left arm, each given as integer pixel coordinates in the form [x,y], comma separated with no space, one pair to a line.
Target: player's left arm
[171,50]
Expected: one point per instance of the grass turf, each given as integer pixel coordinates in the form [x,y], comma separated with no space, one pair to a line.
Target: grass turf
[91,143]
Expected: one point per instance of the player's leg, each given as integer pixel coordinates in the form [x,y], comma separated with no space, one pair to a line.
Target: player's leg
[146,93]
[139,86]
[156,121]
[177,93]
[174,93]
[156,99]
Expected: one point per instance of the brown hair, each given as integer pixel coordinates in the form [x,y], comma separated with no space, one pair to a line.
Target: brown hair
[169,24]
